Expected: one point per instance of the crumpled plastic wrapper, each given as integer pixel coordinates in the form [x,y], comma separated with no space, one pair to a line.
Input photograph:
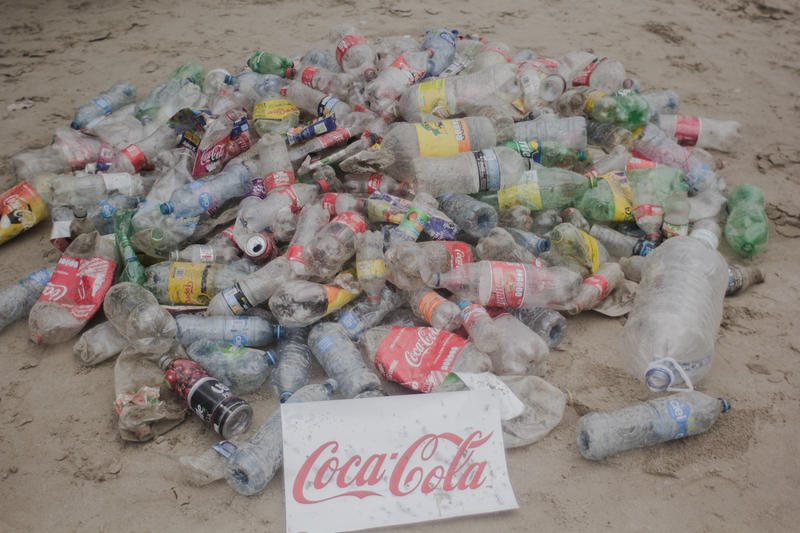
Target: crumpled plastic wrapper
[620,301]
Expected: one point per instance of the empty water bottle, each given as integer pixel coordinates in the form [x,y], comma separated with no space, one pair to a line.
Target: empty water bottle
[361,315]
[251,290]
[243,331]
[242,369]
[341,360]
[119,95]
[549,324]
[17,299]
[294,363]
[741,277]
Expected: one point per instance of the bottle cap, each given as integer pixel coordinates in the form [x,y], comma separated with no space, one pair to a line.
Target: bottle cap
[166,208]
[726,405]
[75,125]
[543,245]
[285,395]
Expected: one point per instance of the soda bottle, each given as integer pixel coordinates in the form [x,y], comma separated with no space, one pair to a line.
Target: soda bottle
[189,283]
[530,241]
[420,358]
[616,160]
[135,157]
[570,131]
[608,200]
[16,300]
[666,102]
[69,150]
[541,188]
[539,81]
[217,80]
[620,245]
[494,53]
[671,331]
[252,289]
[501,284]
[746,229]
[333,245]
[341,360]
[404,262]
[434,309]
[98,344]
[476,219]
[676,215]
[274,114]
[741,277]
[301,303]
[722,135]
[607,136]
[149,214]
[549,324]
[352,51]
[294,363]
[580,250]
[321,57]
[255,463]
[119,95]
[585,69]
[407,69]
[600,435]
[440,43]
[521,351]
[210,399]
[337,84]
[135,312]
[499,245]
[360,315]
[269,63]
[370,266]
[549,153]
[596,287]
[242,369]
[217,252]
[479,326]
[369,183]
[241,330]
[75,290]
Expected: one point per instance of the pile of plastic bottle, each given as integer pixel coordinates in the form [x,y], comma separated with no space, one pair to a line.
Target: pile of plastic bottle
[397,210]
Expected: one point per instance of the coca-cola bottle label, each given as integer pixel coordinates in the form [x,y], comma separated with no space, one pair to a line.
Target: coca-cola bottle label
[335,137]
[277,110]
[507,284]
[499,51]
[21,208]
[459,253]
[414,75]
[488,170]
[277,179]
[233,144]
[295,202]
[329,202]
[687,129]
[206,253]
[374,183]
[135,156]
[345,44]
[307,76]
[443,138]
[432,98]
[585,75]
[598,282]
[79,285]
[418,358]
[648,210]
[351,220]
[190,283]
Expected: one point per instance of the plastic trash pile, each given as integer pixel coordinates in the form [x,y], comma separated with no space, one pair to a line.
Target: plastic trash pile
[397,210]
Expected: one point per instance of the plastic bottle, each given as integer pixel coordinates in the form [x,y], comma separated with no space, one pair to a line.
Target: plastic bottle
[741,277]
[256,462]
[294,363]
[662,102]
[242,369]
[360,315]
[300,303]
[17,299]
[69,150]
[369,183]
[370,266]
[476,219]
[405,261]
[435,309]
[65,305]
[576,218]
[596,287]
[135,312]
[521,350]
[615,160]
[493,53]
[480,327]
[549,324]
[676,215]
[217,80]
[407,69]
[206,253]
[352,51]
[189,283]
[570,131]
[501,284]
[321,57]
[98,344]
[274,114]
[334,83]
[251,290]
[671,331]
[120,94]
[333,245]
[581,251]
[549,153]
[620,245]
[541,188]
[722,135]
[420,358]
[530,241]
[207,194]
[608,200]
[440,43]
[209,398]
[746,229]
[600,435]
[135,157]
[499,245]
[243,331]
[149,215]
[341,360]
[540,82]
[585,69]
[269,63]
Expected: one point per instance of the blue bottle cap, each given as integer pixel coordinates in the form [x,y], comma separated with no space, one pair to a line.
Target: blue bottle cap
[543,245]
[75,125]
[166,208]
[285,395]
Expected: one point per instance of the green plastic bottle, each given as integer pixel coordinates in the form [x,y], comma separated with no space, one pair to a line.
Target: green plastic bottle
[632,110]
[268,63]
[746,229]
[540,188]
[191,71]
[609,200]
[549,153]
[579,250]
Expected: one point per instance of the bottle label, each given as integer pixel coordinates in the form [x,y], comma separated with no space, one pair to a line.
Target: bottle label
[228,232]
[103,104]
[442,138]
[441,229]
[135,156]
[326,105]
[418,358]
[687,129]
[276,110]
[351,324]
[189,283]
[295,201]
[337,297]
[735,279]
[307,76]
[105,157]
[471,313]
[507,284]
[329,202]
[674,230]
[79,285]
[459,253]
[432,98]
[545,65]
[236,300]
[488,170]
[707,236]
[598,282]
[206,253]
[621,193]
[585,75]
[42,277]
[637,163]
[21,208]
[527,149]
[370,268]
[214,157]
[648,210]
[526,193]
[294,253]
[413,74]
[681,413]
[414,222]
[277,179]
[499,51]
[352,221]
[374,183]
[427,304]
[382,211]
[591,251]
[335,137]
[347,42]
[257,189]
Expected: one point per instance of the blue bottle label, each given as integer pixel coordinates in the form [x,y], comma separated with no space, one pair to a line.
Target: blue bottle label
[205,200]
[680,411]
[103,104]
[106,209]
[448,36]
[325,344]
[40,276]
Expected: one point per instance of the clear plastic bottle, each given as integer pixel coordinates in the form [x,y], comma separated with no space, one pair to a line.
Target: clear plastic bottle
[521,350]
[493,53]
[501,284]
[189,283]
[321,57]
[549,153]
[357,317]
[149,214]
[242,369]
[243,330]
[98,344]
[256,462]
[353,53]
[618,244]
[499,245]
[662,102]
[435,309]
[369,183]
[341,360]
[316,102]
[676,215]
[207,194]
[119,95]
[633,267]
[576,218]
[334,245]
[252,290]
[312,218]
[615,160]
[135,312]
[299,303]
[407,69]
[540,82]
[608,136]
[294,363]
[440,43]
[585,69]
[530,241]
[581,251]
[17,299]
[476,219]
[370,266]
[746,229]
[570,131]
[741,277]
[274,114]
[321,79]
[671,331]
[135,157]
[722,135]
[596,287]
[570,103]
[600,435]
[549,324]
[480,327]
[541,188]
[207,253]
[404,262]
[217,80]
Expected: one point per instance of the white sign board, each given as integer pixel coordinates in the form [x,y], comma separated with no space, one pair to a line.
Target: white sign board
[357,464]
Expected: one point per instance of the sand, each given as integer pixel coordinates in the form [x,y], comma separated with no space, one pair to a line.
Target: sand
[63,466]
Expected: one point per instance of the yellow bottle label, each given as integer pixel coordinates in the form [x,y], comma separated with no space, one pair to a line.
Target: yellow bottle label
[189,283]
[519,105]
[274,110]
[432,98]
[21,208]
[591,250]
[591,98]
[621,189]
[442,138]
[370,268]
[526,193]
[337,297]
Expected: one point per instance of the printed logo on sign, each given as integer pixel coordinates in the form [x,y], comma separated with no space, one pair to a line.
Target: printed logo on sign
[417,469]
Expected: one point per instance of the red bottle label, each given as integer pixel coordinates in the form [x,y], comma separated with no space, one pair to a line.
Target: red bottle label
[352,221]
[335,137]
[374,183]
[228,232]
[428,303]
[329,203]
[648,210]
[347,42]
[508,284]
[307,76]
[294,253]
[79,285]
[289,191]
[135,156]
[413,74]
[497,51]
[277,179]
[418,358]
[636,163]
[599,282]
[471,313]
[459,253]
[585,75]
[687,129]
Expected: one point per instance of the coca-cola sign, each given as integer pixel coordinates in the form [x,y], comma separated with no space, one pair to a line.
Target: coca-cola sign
[357,464]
